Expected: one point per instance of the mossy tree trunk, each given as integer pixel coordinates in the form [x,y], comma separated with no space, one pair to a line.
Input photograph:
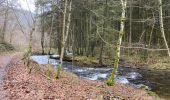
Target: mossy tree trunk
[30,46]
[111,79]
[62,40]
[29,51]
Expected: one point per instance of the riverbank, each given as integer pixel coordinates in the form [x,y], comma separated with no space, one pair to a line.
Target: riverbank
[151,63]
[154,71]
[36,85]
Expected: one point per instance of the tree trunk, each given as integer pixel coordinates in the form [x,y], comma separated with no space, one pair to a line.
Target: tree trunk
[102,45]
[51,31]
[162,26]
[101,54]
[5,24]
[65,32]
[130,35]
[29,52]
[42,30]
[111,80]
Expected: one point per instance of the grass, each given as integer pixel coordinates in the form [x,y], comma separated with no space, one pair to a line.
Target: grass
[83,59]
[153,94]
[151,61]
[86,59]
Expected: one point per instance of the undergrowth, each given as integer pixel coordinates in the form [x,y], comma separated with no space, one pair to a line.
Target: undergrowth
[5,47]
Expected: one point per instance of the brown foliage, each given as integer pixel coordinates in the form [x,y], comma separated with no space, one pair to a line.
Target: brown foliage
[36,86]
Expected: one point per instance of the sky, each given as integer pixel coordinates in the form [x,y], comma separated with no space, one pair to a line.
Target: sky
[26,6]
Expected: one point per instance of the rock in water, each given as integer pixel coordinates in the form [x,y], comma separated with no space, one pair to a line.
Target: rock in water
[54,56]
[121,79]
[133,76]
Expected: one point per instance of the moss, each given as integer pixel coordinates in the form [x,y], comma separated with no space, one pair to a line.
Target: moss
[83,59]
[111,79]
[67,58]
[153,94]
[144,87]
[110,82]
[5,47]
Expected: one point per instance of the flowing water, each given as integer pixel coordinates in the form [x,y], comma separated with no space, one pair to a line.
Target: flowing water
[156,81]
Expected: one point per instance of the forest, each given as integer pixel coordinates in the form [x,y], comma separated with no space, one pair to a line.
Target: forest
[84,49]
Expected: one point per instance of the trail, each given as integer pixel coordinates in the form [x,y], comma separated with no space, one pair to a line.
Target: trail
[4,61]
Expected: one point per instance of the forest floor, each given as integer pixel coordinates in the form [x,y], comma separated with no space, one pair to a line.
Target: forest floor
[4,61]
[151,63]
[20,85]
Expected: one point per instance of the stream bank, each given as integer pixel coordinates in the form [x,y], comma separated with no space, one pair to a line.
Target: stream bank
[154,80]
[34,86]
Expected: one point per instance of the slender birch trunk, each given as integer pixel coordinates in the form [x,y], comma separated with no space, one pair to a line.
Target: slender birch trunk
[111,80]
[162,26]
[65,32]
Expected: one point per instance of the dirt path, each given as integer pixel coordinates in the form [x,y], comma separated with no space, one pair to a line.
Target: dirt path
[4,61]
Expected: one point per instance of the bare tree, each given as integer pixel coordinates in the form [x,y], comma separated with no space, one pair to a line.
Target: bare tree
[29,51]
[5,22]
[42,28]
[51,31]
[65,32]
[130,35]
